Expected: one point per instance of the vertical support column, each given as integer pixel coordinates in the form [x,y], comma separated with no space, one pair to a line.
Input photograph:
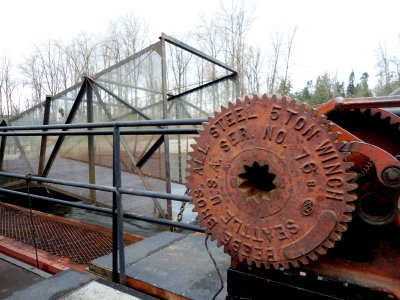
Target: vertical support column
[118,222]
[165,116]
[91,148]
[177,114]
[2,146]
[43,144]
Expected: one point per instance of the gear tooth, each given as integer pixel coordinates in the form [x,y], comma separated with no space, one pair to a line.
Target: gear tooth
[348,164]
[230,104]
[313,112]
[193,146]
[258,263]
[295,264]
[285,265]
[351,197]
[341,227]
[248,99]
[274,99]
[239,101]
[267,265]
[351,187]
[363,110]
[249,261]
[266,97]
[322,119]
[216,114]
[224,108]
[304,107]
[294,103]
[329,243]
[336,236]
[347,217]
[335,135]
[350,176]
[256,97]
[329,125]
[304,260]
[313,256]
[219,244]
[212,238]
[275,265]
[373,112]
[321,250]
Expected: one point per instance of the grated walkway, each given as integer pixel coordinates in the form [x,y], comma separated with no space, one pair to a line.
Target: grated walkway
[80,244]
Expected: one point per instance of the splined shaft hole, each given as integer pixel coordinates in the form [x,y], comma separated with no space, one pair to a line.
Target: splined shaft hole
[257,178]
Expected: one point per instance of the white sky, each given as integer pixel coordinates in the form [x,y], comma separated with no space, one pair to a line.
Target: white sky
[334,36]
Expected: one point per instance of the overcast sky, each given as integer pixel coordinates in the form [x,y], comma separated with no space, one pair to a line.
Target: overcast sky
[334,36]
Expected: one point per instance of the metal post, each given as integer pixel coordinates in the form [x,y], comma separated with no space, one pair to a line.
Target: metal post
[2,146]
[165,116]
[179,144]
[60,139]
[118,224]
[91,147]
[46,118]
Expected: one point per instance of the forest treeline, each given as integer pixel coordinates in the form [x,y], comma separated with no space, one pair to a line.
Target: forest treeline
[53,66]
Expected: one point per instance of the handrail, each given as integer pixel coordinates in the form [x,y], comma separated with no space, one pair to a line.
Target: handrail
[116,189]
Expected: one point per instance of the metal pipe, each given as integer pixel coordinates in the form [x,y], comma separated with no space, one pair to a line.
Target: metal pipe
[46,118]
[201,87]
[167,122]
[196,52]
[165,116]
[91,148]
[118,230]
[104,132]
[109,211]
[104,188]
[2,146]
[151,151]
[368,102]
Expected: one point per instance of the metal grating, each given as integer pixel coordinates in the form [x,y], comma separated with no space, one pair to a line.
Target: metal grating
[81,245]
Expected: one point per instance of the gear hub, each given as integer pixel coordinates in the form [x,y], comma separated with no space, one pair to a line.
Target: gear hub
[269,182]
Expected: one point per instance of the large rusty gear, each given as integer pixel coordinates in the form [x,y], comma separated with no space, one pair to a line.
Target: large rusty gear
[268,181]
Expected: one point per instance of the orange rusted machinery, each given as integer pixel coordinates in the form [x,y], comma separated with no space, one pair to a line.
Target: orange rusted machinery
[277,183]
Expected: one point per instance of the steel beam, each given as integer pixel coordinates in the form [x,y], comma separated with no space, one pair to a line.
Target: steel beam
[165,116]
[69,119]
[43,143]
[91,147]
[2,146]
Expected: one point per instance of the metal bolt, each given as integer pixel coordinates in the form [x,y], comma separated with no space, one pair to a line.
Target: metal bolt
[391,175]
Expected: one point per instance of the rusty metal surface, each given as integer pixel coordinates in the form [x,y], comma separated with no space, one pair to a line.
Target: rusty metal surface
[269,182]
[338,104]
[80,244]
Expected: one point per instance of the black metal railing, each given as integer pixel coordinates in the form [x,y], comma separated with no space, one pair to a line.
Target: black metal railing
[117,190]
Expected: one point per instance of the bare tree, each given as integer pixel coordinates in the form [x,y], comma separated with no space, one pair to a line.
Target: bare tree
[253,70]
[234,22]
[125,36]
[81,57]
[274,60]
[41,70]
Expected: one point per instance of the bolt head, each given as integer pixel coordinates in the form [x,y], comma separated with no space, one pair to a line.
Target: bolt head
[391,175]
